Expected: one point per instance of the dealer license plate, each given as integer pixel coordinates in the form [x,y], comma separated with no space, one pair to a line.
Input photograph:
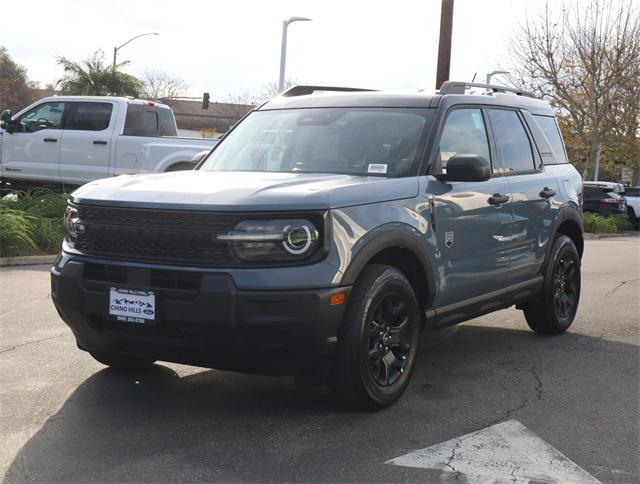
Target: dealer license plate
[132,305]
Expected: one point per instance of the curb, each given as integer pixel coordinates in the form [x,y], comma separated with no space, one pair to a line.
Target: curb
[590,236]
[27,260]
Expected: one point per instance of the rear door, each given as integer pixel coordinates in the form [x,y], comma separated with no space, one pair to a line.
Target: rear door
[533,189]
[473,219]
[86,143]
[33,150]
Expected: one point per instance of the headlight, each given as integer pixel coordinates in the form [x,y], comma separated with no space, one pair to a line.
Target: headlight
[72,226]
[273,240]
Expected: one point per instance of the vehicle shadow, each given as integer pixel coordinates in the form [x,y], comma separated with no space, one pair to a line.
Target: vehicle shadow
[156,426]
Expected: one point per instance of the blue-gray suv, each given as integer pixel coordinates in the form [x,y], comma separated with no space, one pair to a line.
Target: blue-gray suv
[325,232]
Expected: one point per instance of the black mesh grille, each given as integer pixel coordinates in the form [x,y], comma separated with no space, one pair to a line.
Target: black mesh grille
[165,236]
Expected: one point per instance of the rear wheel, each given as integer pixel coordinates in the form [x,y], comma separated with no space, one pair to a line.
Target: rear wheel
[123,362]
[553,311]
[378,340]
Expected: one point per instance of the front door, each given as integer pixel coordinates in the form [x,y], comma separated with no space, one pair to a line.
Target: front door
[473,220]
[534,206]
[32,151]
[86,144]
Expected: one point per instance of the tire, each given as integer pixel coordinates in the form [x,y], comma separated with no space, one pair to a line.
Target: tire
[553,311]
[181,166]
[633,218]
[123,362]
[378,340]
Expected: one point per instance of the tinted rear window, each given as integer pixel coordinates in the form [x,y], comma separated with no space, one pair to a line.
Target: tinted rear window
[89,116]
[552,132]
[145,120]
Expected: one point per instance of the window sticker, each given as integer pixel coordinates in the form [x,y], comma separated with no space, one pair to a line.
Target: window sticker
[477,120]
[377,168]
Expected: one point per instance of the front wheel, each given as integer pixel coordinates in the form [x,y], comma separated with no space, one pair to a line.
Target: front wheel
[378,340]
[553,311]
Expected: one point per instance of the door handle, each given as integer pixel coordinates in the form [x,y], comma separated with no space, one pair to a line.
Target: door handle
[547,192]
[99,142]
[498,199]
[50,140]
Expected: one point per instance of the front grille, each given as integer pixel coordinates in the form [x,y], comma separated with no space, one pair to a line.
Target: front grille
[164,236]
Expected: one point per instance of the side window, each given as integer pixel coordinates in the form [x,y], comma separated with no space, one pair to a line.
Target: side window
[512,141]
[90,116]
[167,123]
[464,133]
[552,132]
[44,116]
[141,121]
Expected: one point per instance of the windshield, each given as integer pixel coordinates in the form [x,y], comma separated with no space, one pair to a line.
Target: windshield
[355,141]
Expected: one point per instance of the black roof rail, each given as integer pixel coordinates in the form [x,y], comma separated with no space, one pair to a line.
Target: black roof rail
[456,87]
[303,90]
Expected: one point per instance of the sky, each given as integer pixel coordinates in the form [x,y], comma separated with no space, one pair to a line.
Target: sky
[223,47]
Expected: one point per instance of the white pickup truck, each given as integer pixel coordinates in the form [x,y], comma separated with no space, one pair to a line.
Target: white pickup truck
[76,139]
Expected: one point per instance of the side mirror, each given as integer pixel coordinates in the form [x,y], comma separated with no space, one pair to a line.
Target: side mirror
[468,168]
[5,121]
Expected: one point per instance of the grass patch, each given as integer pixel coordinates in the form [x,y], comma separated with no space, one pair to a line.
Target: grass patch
[597,224]
[31,222]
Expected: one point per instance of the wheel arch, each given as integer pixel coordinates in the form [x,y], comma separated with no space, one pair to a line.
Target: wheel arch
[406,252]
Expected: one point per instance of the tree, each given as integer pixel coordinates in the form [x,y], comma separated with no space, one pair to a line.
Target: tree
[15,88]
[270,89]
[92,77]
[583,60]
[242,96]
[162,85]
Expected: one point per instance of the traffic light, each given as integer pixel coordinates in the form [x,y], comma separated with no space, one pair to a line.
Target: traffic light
[205,101]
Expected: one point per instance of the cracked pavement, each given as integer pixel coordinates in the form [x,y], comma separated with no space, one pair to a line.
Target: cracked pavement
[63,417]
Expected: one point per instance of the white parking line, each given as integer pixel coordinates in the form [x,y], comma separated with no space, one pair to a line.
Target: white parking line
[506,452]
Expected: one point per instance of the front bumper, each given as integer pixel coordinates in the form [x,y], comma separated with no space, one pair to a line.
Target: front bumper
[203,319]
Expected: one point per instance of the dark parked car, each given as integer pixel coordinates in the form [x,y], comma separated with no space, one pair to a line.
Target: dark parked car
[323,233]
[602,199]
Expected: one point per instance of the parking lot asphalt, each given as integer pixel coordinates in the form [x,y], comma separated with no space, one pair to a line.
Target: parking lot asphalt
[64,417]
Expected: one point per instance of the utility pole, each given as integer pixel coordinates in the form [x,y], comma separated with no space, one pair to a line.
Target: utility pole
[444,44]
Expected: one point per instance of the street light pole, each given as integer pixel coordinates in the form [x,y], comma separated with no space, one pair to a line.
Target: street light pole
[116,49]
[283,48]
[444,43]
[494,73]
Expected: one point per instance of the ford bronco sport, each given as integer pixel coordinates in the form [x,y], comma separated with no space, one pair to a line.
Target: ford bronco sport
[324,232]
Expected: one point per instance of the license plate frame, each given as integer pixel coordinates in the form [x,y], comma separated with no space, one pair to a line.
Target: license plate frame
[132,306]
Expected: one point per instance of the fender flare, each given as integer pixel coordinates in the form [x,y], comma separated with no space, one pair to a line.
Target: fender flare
[566,213]
[402,239]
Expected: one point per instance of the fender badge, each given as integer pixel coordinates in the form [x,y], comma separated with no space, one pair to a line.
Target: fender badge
[448,239]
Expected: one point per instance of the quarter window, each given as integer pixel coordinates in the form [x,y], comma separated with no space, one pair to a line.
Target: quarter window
[552,132]
[512,141]
[464,133]
[43,116]
[90,117]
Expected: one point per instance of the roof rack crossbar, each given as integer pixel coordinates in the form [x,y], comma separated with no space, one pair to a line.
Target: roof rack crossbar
[456,87]
[303,90]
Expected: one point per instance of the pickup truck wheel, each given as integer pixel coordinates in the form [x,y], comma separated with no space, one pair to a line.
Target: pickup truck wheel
[633,218]
[378,340]
[181,166]
[555,308]
[123,362]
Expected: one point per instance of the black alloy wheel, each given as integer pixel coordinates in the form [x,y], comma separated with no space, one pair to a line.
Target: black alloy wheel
[389,340]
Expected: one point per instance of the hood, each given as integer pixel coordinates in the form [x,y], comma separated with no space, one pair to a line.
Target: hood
[244,191]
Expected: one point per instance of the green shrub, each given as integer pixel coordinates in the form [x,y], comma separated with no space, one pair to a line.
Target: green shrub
[15,233]
[597,224]
[42,202]
[48,234]
[622,223]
